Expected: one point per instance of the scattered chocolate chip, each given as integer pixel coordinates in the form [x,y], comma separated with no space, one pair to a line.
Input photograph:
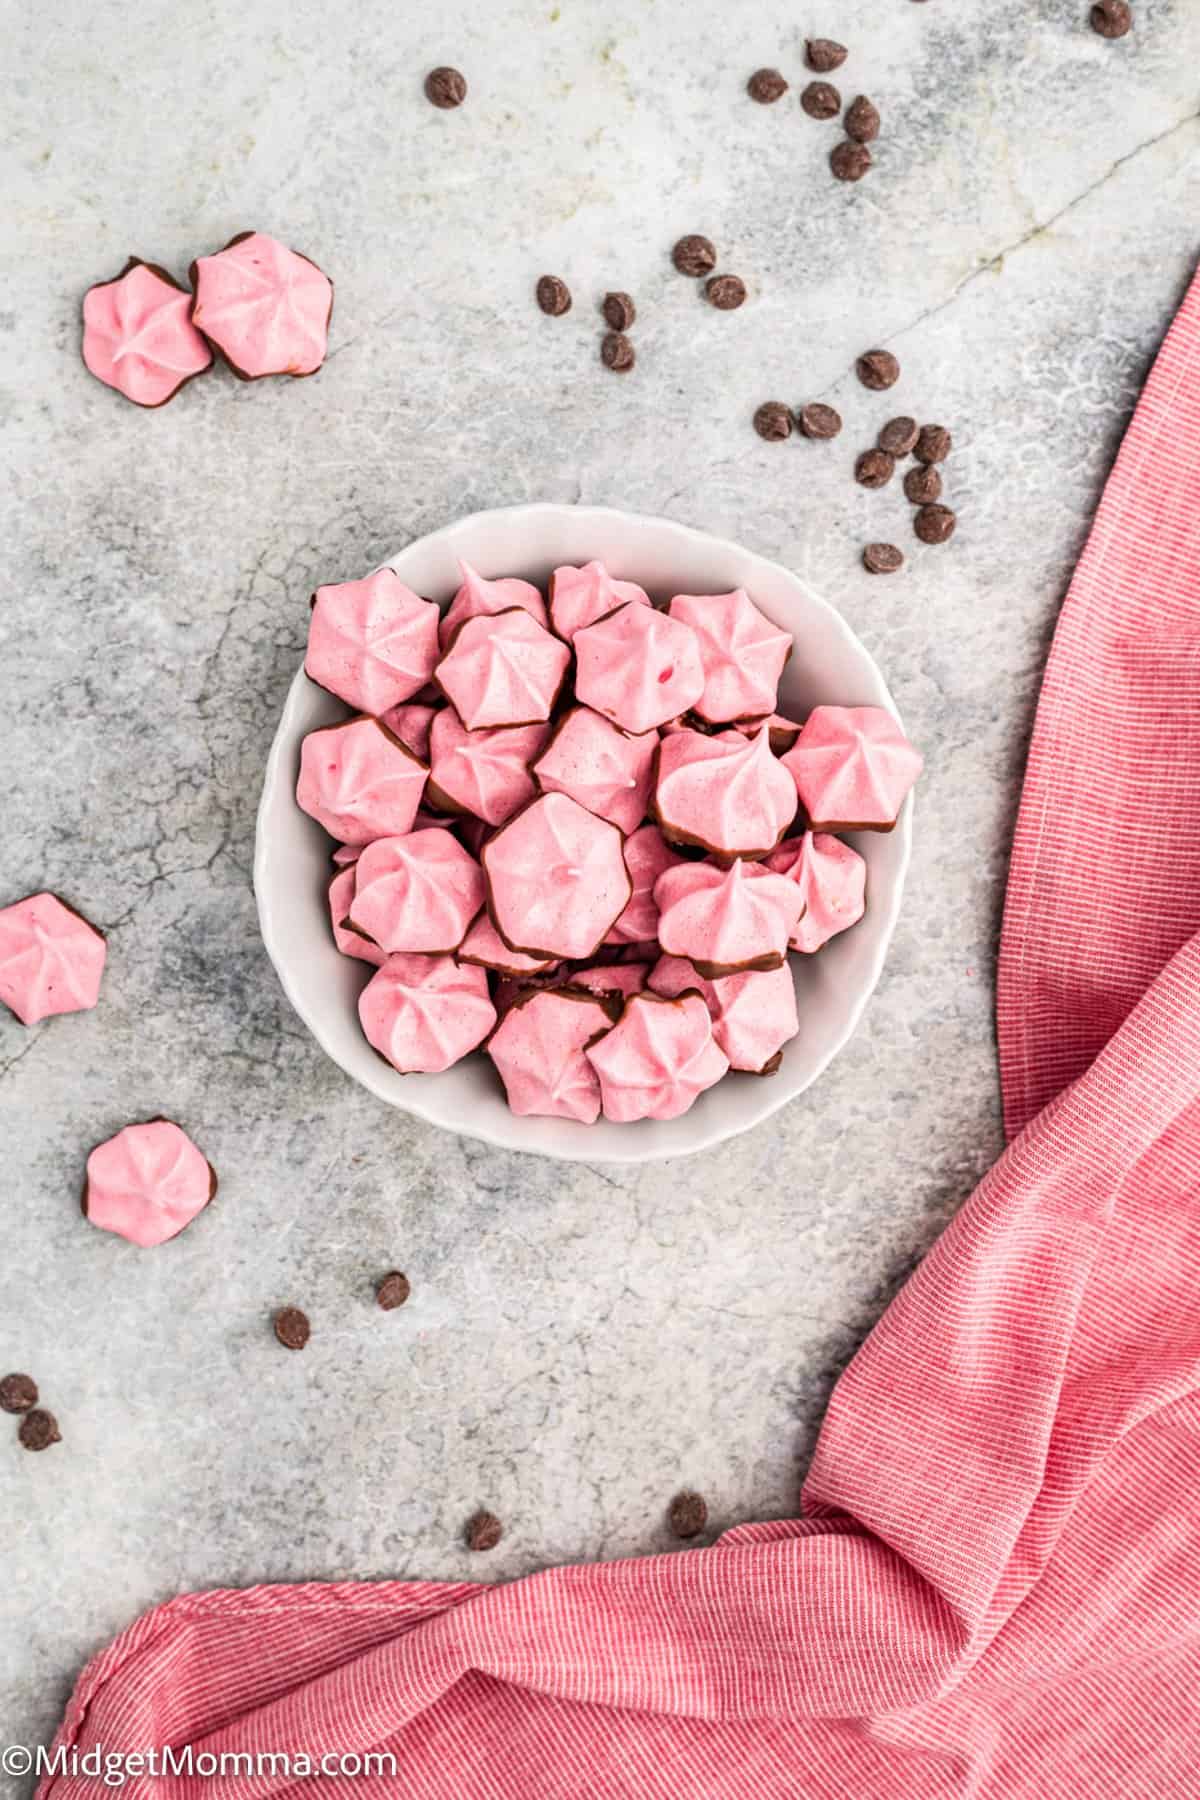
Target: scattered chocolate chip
[934,524]
[820,421]
[18,1393]
[445,88]
[483,1531]
[773,421]
[862,121]
[922,485]
[553,296]
[619,310]
[874,469]
[821,100]
[766,86]
[1111,18]
[933,445]
[38,1430]
[850,161]
[877,369]
[725,292]
[898,436]
[687,1515]
[617,352]
[824,54]
[882,559]
[393,1290]
[292,1328]
[694,255]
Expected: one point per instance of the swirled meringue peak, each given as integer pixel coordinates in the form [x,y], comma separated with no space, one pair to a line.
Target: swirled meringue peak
[484,945]
[556,879]
[539,1049]
[727,793]
[580,596]
[51,959]
[602,767]
[741,651]
[416,893]
[753,1015]
[503,669]
[657,1059]
[853,767]
[265,307]
[359,782]
[483,772]
[726,919]
[832,881]
[425,1013]
[478,596]
[138,335]
[350,943]
[147,1183]
[638,667]
[647,856]
[373,642]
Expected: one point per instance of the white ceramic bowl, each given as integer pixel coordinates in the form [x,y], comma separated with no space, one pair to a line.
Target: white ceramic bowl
[292,867]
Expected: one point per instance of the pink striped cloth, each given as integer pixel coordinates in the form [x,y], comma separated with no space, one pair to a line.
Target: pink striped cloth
[994,1589]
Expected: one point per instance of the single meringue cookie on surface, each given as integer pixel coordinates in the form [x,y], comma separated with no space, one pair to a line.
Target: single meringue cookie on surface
[727,794]
[484,945]
[539,1049]
[477,596]
[425,1013]
[638,667]
[412,724]
[265,307]
[483,772]
[832,880]
[138,335]
[503,669]
[556,879]
[741,651]
[657,1059]
[602,767]
[853,768]
[51,959]
[416,893]
[725,920]
[373,643]
[350,943]
[580,596]
[753,1015]
[647,856]
[359,781]
[147,1183]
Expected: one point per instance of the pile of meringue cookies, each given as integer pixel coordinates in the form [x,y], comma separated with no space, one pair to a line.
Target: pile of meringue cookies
[575,831]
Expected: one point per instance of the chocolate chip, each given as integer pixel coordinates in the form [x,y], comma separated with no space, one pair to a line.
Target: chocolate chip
[862,121]
[725,292]
[553,296]
[393,1290]
[850,161]
[617,352]
[933,445]
[445,88]
[922,485]
[823,54]
[766,85]
[694,255]
[934,524]
[819,421]
[292,1328]
[483,1531]
[38,1430]
[773,421]
[882,559]
[898,436]
[1111,18]
[877,369]
[821,100]
[874,469]
[18,1393]
[687,1515]
[619,310]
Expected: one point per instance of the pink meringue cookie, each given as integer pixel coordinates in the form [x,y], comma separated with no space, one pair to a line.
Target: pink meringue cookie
[346,854]
[350,943]
[503,669]
[638,667]
[726,919]
[656,1060]
[416,893]
[359,782]
[753,1015]
[483,772]
[477,596]
[602,767]
[412,724]
[853,767]
[741,651]
[556,879]
[726,793]
[138,335]
[832,881]
[147,1183]
[783,732]
[51,959]
[265,307]
[373,643]
[580,596]
[611,981]
[484,945]
[647,856]
[425,1013]
[539,1049]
